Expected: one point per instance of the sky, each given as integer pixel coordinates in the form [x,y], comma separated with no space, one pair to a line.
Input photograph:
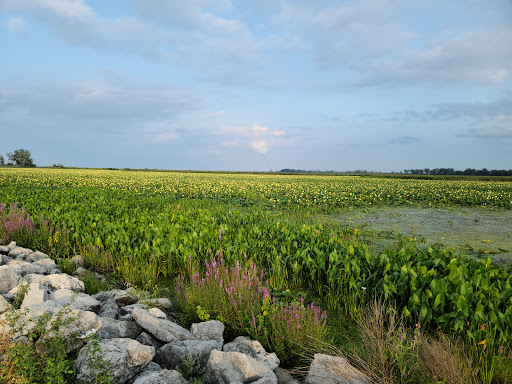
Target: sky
[377,85]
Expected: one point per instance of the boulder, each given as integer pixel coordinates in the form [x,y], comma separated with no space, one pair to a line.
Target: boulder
[4,249]
[124,297]
[76,300]
[36,256]
[78,323]
[5,259]
[327,369]
[162,377]
[4,305]
[19,251]
[81,272]
[58,281]
[229,367]
[108,308]
[48,264]
[160,303]
[157,313]
[24,267]
[126,358]
[153,367]
[209,330]
[112,328]
[8,278]
[36,294]
[162,329]
[77,261]
[148,339]
[33,278]
[176,353]
[254,349]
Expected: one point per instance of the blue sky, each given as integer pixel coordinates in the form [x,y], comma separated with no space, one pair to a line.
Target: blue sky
[381,85]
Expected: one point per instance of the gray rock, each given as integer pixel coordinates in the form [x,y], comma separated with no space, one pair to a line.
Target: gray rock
[176,353]
[127,358]
[284,377]
[327,369]
[123,298]
[81,323]
[126,317]
[5,259]
[12,245]
[228,367]
[48,264]
[128,309]
[254,349]
[8,278]
[161,303]
[81,272]
[77,261]
[103,296]
[124,329]
[209,330]
[76,300]
[18,251]
[36,294]
[58,281]
[36,256]
[4,249]
[148,339]
[162,329]
[33,278]
[108,308]
[162,377]
[153,367]
[24,267]
[157,313]
[4,305]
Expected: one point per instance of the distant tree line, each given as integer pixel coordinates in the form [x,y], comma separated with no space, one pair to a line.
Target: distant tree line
[19,158]
[288,170]
[466,172]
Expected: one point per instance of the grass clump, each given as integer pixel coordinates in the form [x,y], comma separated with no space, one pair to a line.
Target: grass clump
[239,297]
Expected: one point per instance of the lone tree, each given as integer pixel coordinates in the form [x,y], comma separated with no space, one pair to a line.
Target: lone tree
[2,161]
[21,158]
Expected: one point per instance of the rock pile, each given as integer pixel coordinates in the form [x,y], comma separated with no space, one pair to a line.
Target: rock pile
[139,337]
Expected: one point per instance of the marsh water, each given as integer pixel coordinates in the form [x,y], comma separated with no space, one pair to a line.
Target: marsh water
[480,232]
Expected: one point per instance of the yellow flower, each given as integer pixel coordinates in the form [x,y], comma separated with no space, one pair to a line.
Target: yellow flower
[265,313]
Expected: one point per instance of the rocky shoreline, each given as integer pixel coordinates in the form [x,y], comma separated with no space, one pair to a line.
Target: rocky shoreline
[138,336]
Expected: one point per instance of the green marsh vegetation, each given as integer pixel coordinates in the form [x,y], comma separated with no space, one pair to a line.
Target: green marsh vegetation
[159,231]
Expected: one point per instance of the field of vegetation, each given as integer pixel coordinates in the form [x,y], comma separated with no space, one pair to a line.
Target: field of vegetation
[205,236]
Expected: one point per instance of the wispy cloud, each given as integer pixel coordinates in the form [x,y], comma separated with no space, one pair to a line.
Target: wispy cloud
[405,140]
[487,133]
[215,115]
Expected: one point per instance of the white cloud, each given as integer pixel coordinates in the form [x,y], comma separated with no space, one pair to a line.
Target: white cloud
[258,138]
[16,25]
[260,146]
[258,130]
